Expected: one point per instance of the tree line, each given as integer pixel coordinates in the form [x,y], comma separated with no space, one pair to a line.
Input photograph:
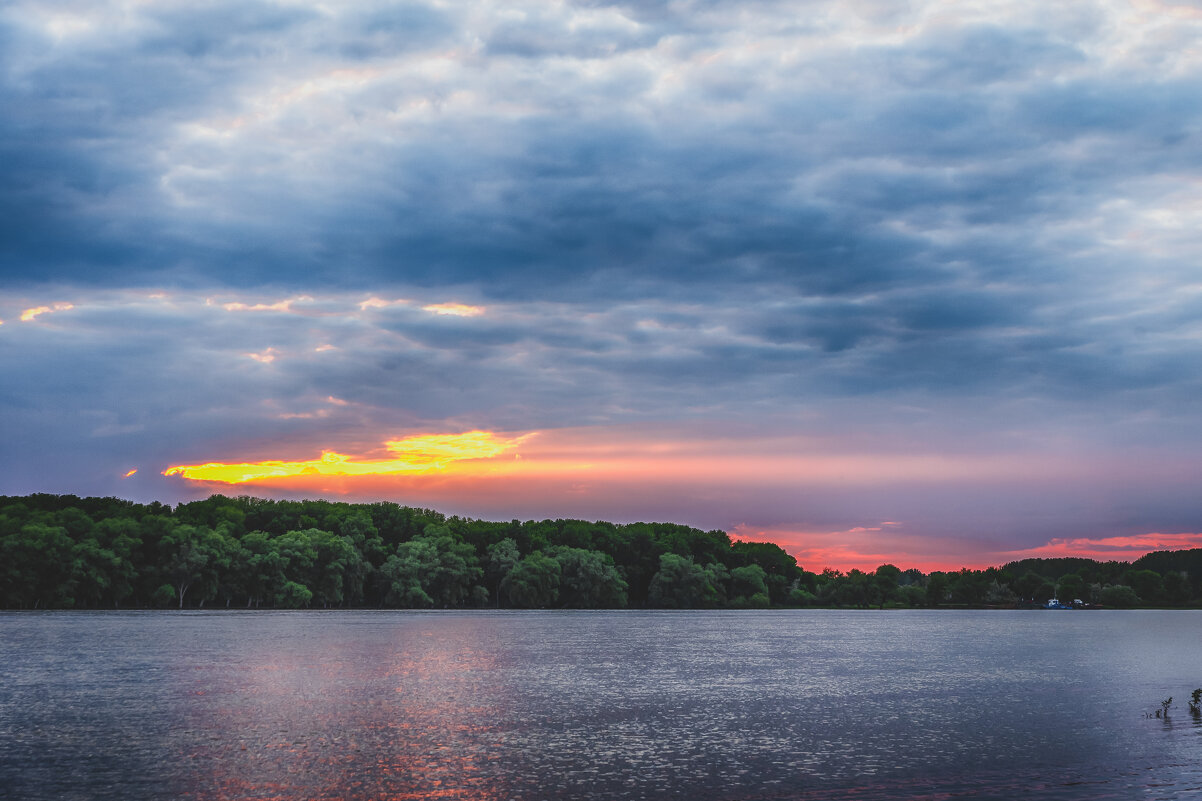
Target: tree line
[63,551]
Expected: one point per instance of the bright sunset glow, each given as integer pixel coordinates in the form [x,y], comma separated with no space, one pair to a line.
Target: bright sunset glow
[129,473]
[416,454]
[37,311]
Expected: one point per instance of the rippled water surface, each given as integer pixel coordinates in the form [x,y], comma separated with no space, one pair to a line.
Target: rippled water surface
[599,705]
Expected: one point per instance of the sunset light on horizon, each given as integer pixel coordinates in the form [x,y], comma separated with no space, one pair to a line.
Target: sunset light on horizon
[413,454]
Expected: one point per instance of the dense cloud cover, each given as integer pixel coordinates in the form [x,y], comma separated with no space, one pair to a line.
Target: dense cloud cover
[958,242]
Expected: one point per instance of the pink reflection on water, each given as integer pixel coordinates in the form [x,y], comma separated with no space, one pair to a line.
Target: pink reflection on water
[405,719]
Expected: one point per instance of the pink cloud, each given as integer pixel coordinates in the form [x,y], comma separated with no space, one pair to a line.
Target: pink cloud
[861,547]
[1122,548]
[867,547]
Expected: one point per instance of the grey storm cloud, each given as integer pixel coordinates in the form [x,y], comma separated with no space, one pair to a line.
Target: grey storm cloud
[556,150]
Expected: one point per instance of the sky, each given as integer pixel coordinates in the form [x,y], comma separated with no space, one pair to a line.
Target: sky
[879,281]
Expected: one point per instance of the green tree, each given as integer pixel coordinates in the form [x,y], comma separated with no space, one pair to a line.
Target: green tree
[1071,588]
[408,572]
[1177,589]
[1120,596]
[37,567]
[435,569]
[1148,585]
[122,537]
[887,578]
[98,574]
[588,579]
[800,596]
[913,595]
[339,572]
[636,553]
[680,583]
[193,557]
[533,582]
[293,595]
[857,589]
[747,586]
[938,588]
[1027,586]
[970,587]
[358,527]
[502,557]
[261,570]
[717,578]
[780,569]
[298,551]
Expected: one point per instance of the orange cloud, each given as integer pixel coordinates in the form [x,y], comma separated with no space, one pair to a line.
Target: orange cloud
[454,309]
[864,548]
[411,455]
[319,414]
[266,357]
[281,306]
[130,473]
[379,303]
[37,311]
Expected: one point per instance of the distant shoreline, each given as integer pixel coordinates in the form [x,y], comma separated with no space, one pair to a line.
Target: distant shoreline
[68,552]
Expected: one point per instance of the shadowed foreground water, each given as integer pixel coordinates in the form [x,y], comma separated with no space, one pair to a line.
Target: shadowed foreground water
[598,705]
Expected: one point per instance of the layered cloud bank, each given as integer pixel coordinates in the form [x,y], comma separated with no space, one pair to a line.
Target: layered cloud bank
[916,279]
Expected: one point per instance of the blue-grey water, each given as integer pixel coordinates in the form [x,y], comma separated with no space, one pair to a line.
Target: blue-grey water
[599,705]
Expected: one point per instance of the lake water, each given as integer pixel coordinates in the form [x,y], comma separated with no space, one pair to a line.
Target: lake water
[797,704]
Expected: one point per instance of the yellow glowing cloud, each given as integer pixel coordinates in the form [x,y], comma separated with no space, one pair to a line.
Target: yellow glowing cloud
[36,311]
[378,303]
[454,309]
[281,306]
[130,473]
[411,455]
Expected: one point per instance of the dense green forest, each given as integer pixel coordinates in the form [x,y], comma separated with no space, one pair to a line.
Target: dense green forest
[62,551]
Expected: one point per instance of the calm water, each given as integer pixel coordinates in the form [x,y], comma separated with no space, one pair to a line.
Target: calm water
[603,705]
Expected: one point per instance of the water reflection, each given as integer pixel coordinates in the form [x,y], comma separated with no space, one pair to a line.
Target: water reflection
[791,705]
[393,711]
